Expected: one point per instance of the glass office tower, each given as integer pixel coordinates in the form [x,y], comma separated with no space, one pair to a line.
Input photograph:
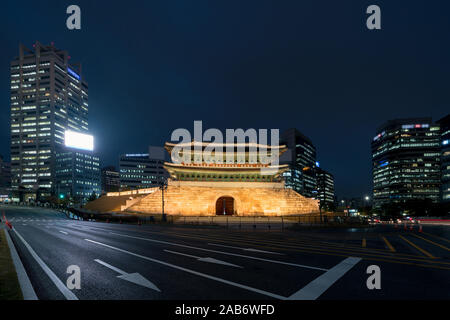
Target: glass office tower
[445,158]
[301,155]
[325,188]
[406,161]
[48,96]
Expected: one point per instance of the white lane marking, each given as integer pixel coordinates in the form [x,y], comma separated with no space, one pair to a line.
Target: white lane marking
[273,295]
[226,253]
[317,287]
[245,249]
[131,277]
[63,232]
[207,259]
[62,288]
[24,282]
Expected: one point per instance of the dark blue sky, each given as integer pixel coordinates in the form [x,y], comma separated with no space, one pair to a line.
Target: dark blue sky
[154,66]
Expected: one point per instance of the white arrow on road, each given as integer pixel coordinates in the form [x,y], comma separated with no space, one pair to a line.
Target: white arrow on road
[132,277]
[207,259]
[245,249]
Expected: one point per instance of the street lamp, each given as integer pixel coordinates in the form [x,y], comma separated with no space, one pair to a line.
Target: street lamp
[367,206]
[163,186]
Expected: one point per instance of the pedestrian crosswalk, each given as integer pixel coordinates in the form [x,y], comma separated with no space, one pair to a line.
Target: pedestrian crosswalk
[36,219]
[46,221]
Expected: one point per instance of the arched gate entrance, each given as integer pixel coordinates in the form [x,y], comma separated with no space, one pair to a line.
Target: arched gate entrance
[225,206]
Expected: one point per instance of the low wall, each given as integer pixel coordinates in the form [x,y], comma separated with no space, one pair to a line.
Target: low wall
[191,200]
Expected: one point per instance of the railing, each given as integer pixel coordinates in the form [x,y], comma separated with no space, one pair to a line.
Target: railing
[60,208]
[257,222]
[269,222]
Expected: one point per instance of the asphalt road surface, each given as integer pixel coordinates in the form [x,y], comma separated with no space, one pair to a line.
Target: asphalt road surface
[118,261]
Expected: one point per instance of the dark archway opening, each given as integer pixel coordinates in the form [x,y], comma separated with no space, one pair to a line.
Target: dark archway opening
[225,206]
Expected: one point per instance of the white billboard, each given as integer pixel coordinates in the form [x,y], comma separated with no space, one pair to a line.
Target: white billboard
[79,140]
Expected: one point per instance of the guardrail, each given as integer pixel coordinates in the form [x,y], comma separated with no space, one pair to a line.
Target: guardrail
[60,209]
[267,222]
[257,222]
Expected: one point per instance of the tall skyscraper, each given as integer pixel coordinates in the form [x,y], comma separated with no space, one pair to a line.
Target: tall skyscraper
[325,188]
[445,158]
[301,158]
[49,96]
[406,161]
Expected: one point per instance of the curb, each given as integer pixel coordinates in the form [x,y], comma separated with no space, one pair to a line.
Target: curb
[25,284]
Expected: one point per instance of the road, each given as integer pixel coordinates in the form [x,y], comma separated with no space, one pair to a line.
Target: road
[119,261]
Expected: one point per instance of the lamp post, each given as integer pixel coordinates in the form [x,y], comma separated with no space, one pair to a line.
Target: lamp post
[163,186]
[367,198]
[320,211]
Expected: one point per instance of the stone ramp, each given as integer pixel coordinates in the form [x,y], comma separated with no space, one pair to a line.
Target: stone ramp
[107,204]
[193,200]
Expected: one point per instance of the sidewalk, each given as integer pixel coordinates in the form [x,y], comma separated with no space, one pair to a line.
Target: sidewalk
[9,283]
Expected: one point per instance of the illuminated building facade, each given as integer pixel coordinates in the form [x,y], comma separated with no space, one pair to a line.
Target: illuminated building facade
[144,170]
[244,167]
[110,179]
[301,175]
[77,174]
[217,185]
[48,96]
[325,188]
[5,177]
[445,158]
[406,161]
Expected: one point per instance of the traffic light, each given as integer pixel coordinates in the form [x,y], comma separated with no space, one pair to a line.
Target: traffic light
[61,196]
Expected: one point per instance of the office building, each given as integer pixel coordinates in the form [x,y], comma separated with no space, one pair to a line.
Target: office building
[5,179]
[325,189]
[110,179]
[144,170]
[5,173]
[301,158]
[49,96]
[77,175]
[406,161]
[445,158]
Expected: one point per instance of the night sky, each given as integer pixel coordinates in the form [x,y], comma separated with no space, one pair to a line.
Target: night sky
[154,66]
